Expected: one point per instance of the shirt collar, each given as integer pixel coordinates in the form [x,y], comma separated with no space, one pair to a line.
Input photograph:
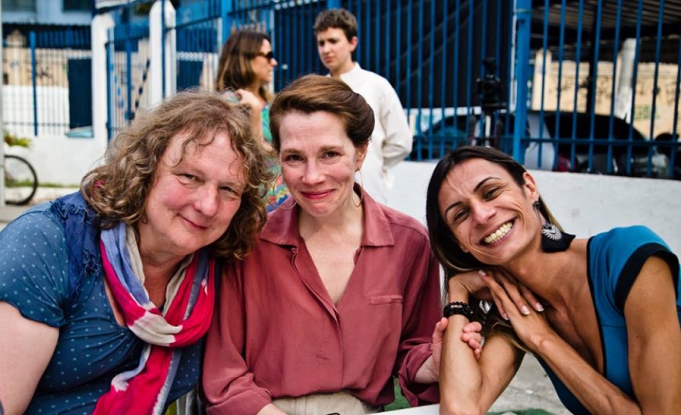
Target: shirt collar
[282,224]
[352,73]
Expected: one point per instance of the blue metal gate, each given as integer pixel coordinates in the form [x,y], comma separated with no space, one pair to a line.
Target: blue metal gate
[40,92]
[128,60]
[578,85]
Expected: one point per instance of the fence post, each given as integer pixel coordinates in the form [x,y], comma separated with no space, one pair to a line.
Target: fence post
[159,61]
[523,14]
[99,29]
[34,74]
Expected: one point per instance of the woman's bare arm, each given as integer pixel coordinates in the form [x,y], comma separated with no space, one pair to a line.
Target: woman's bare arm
[654,339]
[469,385]
[26,348]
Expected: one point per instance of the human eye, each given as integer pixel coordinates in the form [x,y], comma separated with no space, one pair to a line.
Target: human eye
[331,154]
[187,178]
[230,191]
[292,158]
[491,192]
[460,215]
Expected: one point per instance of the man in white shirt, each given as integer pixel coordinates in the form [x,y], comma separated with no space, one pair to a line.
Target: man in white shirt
[391,141]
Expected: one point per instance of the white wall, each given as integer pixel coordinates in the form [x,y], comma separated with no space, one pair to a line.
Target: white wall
[59,159]
[584,204]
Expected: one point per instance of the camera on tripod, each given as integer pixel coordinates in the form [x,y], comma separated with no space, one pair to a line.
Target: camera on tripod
[489,88]
[489,91]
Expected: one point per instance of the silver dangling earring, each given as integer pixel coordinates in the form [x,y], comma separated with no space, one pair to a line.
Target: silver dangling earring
[552,238]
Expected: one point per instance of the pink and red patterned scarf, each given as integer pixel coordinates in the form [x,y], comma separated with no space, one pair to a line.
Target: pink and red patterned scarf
[144,390]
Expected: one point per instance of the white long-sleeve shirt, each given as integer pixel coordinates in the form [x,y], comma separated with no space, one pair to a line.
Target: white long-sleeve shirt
[391,140]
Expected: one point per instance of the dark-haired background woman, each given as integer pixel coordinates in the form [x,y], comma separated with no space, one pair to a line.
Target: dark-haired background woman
[245,69]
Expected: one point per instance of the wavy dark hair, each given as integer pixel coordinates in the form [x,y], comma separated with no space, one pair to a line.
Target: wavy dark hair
[234,66]
[118,189]
[445,246]
[313,93]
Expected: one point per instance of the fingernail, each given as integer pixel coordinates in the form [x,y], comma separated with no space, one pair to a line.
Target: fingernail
[482,272]
[525,310]
[539,307]
[505,316]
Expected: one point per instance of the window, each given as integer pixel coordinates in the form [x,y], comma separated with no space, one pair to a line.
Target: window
[18,5]
[76,5]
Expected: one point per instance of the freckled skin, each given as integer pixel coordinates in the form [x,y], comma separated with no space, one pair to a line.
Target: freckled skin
[477,198]
[190,205]
[318,162]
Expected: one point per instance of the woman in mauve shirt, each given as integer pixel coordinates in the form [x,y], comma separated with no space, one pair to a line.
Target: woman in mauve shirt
[340,294]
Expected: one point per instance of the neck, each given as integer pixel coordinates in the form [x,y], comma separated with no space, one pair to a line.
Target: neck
[158,266]
[254,89]
[555,277]
[349,216]
[345,68]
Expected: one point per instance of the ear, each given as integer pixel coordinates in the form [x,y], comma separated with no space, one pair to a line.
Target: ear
[361,155]
[530,187]
[353,43]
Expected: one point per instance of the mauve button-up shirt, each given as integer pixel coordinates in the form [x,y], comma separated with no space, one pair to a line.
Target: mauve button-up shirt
[276,332]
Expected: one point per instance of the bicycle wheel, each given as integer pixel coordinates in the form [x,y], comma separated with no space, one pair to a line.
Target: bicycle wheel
[21,182]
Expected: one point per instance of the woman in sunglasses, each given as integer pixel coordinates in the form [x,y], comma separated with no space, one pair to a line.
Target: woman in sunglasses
[244,70]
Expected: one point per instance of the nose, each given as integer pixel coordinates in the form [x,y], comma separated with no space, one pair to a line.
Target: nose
[482,212]
[312,173]
[274,62]
[207,200]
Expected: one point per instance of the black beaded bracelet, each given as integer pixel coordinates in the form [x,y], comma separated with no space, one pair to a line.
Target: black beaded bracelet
[458,307]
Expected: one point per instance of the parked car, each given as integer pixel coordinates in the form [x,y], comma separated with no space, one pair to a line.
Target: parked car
[637,160]
[560,154]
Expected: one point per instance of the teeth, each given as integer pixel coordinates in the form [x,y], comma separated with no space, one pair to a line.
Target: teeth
[499,233]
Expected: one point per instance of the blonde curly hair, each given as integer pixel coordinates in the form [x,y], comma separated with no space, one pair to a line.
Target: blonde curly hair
[118,189]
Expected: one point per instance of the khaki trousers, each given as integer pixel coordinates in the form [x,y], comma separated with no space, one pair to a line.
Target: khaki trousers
[341,403]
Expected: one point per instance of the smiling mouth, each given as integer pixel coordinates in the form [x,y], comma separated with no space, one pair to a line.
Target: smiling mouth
[195,225]
[498,234]
[316,195]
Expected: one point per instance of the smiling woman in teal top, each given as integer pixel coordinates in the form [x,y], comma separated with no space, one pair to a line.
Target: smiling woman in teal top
[606,325]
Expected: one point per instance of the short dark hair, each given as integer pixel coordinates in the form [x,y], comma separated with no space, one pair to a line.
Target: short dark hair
[445,246]
[336,19]
[313,93]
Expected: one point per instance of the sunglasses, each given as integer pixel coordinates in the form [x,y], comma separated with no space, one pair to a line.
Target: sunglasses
[269,55]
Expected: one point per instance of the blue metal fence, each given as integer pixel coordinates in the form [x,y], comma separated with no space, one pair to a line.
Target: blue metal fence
[128,61]
[42,95]
[578,85]
[609,102]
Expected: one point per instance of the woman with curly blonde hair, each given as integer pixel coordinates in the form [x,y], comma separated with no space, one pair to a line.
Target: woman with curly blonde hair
[245,69]
[106,308]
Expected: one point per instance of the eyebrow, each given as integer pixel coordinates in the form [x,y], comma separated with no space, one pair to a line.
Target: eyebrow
[477,187]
